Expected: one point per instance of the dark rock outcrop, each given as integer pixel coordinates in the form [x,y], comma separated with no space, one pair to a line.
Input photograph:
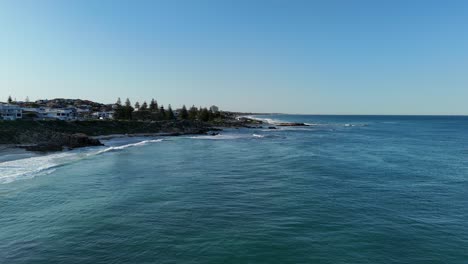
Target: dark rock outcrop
[292,124]
[58,135]
[59,141]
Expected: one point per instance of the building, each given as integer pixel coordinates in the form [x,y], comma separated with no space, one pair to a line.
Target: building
[103,115]
[65,114]
[10,112]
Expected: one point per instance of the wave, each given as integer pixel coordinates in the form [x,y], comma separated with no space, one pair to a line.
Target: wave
[11,171]
[141,143]
[266,120]
[221,137]
[355,125]
[313,124]
[228,136]
[30,167]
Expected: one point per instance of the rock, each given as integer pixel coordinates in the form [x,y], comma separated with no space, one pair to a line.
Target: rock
[60,140]
[81,140]
[43,147]
[272,127]
[292,124]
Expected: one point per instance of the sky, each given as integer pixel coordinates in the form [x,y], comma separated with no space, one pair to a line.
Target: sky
[305,57]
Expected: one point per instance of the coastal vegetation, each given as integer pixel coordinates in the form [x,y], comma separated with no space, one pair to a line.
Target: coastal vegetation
[158,113]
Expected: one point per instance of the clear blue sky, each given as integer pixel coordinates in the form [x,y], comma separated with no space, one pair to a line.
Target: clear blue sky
[317,57]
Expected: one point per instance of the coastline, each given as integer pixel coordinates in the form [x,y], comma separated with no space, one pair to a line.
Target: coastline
[161,134]
[52,136]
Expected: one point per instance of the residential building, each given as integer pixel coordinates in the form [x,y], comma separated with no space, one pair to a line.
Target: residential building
[10,112]
[65,114]
[103,115]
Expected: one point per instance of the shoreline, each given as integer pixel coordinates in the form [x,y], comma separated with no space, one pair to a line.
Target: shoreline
[159,134]
[12,152]
[53,136]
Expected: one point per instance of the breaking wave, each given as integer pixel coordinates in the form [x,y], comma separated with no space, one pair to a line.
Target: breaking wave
[114,148]
[266,120]
[31,167]
[227,136]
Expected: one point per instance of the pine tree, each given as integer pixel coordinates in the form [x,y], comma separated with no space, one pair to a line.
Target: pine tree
[184,113]
[119,102]
[170,114]
[144,106]
[204,115]
[193,113]
[124,112]
[27,99]
[137,105]
[154,105]
[9,99]
[211,115]
[162,112]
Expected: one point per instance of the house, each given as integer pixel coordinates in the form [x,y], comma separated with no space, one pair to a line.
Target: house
[10,112]
[83,113]
[65,114]
[103,115]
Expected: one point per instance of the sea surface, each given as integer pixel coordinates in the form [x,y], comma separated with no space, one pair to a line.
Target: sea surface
[346,189]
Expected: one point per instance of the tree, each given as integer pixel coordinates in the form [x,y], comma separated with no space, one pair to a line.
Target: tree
[211,115]
[204,115]
[9,99]
[124,112]
[193,113]
[137,105]
[119,102]
[153,105]
[184,113]
[144,106]
[128,103]
[170,114]
[27,99]
[162,112]
[119,112]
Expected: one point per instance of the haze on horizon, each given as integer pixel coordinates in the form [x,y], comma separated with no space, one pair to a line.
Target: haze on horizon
[315,57]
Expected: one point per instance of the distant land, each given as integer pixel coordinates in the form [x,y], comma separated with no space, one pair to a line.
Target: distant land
[57,124]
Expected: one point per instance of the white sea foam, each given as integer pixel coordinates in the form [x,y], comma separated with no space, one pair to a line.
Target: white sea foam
[30,167]
[312,124]
[220,137]
[227,136]
[355,125]
[113,148]
[266,120]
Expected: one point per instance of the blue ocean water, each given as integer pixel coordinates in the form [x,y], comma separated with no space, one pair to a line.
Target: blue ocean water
[347,189]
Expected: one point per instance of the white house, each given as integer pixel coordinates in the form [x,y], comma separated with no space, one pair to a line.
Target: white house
[10,112]
[65,114]
[103,115]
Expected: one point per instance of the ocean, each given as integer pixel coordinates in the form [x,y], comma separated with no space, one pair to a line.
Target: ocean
[346,189]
